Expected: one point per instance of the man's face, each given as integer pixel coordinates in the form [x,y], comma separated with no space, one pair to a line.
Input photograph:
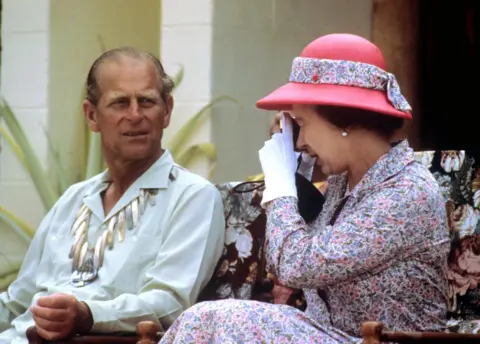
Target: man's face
[130,114]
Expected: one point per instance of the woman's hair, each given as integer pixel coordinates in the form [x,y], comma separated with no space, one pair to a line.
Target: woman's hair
[343,117]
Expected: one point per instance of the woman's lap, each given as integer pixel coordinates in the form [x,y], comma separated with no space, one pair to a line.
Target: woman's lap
[238,321]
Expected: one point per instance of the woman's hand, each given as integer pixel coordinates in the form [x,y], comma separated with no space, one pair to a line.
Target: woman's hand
[279,163]
[275,126]
[307,164]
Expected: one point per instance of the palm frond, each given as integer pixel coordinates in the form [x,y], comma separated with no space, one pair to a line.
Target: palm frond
[95,156]
[45,189]
[186,132]
[13,145]
[255,178]
[60,173]
[177,79]
[19,226]
[197,151]
[8,278]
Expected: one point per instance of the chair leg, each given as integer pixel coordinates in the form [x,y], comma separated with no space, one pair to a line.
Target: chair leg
[371,331]
[147,332]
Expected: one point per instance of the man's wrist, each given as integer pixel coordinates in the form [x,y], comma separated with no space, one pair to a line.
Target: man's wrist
[85,319]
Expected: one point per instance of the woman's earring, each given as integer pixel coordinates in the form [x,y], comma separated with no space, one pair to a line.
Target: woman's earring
[344,133]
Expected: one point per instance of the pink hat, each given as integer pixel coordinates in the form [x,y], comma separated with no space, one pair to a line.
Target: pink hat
[340,70]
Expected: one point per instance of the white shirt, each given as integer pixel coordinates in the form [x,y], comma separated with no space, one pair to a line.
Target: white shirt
[154,274]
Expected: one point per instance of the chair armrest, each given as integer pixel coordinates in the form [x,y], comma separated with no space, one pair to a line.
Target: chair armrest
[373,333]
[263,290]
[147,333]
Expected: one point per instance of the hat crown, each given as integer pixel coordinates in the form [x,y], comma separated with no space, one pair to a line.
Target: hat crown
[342,46]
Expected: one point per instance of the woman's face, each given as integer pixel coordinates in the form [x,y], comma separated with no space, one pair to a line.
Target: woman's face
[322,139]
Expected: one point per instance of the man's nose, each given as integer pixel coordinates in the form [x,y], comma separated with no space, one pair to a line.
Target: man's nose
[134,111]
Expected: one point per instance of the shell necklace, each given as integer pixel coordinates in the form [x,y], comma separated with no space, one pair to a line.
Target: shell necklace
[87,260]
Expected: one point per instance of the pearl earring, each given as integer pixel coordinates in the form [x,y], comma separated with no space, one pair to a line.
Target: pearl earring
[344,133]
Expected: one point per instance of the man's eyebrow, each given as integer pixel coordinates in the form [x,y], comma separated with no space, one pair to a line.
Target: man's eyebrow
[149,94]
[115,95]
[146,94]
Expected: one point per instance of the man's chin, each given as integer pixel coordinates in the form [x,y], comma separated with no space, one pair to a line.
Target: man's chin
[139,154]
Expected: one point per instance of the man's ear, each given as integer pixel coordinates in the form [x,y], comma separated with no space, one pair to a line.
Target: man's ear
[90,113]
[168,111]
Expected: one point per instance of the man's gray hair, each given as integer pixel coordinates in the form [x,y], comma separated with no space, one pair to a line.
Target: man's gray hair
[93,91]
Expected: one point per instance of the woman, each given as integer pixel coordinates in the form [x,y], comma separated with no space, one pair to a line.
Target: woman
[378,250]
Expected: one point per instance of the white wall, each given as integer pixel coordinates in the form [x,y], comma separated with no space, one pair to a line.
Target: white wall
[187,42]
[24,84]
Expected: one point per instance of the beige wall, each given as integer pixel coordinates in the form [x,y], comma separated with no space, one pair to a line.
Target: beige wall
[187,42]
[75,28]
[241,48]
[253,45]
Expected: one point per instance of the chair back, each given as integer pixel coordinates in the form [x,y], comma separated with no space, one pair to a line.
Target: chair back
[458,175]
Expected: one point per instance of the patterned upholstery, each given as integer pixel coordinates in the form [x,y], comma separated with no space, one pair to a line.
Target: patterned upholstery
[242,267]
[239,267]
[458,175]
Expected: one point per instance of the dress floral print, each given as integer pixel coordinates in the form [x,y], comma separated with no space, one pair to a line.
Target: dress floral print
[382,257]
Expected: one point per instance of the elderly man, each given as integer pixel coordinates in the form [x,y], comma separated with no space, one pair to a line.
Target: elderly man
[137,242]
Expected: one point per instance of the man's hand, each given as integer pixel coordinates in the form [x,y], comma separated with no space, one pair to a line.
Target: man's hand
[59,316]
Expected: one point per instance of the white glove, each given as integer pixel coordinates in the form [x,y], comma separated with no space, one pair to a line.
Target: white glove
[307,165]
[279,164]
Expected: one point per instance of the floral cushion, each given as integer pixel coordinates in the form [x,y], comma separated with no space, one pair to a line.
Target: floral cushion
[242,266]
[459,178]
[239,267]
[463,326]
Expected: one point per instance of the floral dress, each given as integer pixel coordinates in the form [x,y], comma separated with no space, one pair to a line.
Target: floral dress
[378,253]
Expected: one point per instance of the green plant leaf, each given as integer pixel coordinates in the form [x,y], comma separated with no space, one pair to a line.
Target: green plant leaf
[20,227]
[205,149]
[8,278]
[45,189]
[194,152]
[13,145]
[101,42]
[186,132]
[177,79]
[59,172]
[93,145]
[255,178]
[87,133]
[95,157]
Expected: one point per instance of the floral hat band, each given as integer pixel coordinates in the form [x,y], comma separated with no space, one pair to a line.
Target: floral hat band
[348,73]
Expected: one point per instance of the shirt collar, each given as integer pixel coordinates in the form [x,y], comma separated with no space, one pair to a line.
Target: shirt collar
[388,165]
[156,176]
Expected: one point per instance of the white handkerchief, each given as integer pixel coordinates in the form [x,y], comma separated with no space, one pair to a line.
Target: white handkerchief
[287,136]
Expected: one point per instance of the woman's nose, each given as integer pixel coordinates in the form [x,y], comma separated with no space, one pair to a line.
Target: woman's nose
[300,144]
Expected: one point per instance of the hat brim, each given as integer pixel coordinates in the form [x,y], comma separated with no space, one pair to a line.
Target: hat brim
[331,95]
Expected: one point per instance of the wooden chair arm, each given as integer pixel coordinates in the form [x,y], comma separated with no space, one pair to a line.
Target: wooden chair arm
[373,333]
[147,333]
